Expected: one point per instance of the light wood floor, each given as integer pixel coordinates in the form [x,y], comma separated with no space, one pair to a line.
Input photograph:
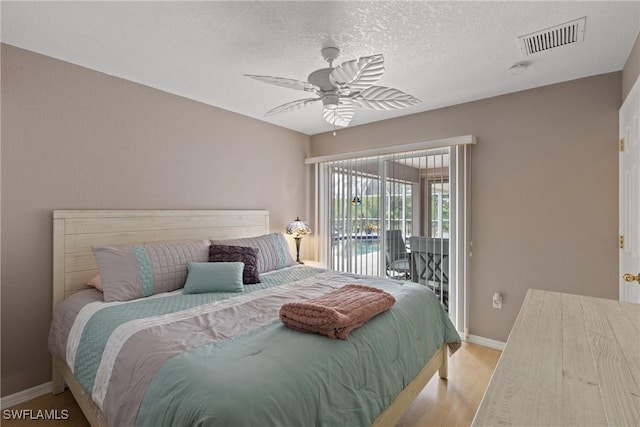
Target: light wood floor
[441,403]
[454,402]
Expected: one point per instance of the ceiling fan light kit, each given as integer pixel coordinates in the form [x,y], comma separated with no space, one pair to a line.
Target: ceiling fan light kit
[330,101]
[342,88]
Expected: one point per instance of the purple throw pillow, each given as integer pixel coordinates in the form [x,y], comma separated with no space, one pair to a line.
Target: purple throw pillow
[246,254]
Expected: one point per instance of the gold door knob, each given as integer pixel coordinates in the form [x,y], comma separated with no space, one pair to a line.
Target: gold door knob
[631,278]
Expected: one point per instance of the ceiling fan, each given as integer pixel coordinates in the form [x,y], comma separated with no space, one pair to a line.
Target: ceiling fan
[342,88]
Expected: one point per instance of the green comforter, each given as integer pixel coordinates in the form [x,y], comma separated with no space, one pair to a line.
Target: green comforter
[228,360]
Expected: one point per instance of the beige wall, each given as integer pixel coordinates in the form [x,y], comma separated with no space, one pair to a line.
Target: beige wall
[544,189]
[73,138]
[631,69]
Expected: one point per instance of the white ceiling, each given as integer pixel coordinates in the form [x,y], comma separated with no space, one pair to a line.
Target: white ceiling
[443,53]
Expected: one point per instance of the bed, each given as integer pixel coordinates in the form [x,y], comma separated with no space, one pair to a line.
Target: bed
[229,373]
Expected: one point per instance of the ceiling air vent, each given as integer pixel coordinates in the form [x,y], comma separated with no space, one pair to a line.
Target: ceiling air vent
[549,38]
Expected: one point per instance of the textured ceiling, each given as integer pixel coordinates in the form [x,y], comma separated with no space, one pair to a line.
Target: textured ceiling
[443,53]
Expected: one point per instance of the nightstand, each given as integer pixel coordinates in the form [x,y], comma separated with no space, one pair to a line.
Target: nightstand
[313,263]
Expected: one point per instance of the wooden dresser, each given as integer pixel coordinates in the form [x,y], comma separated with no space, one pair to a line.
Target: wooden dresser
[570,360]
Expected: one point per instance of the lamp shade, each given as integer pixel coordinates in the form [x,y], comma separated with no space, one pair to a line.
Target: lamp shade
[298,228]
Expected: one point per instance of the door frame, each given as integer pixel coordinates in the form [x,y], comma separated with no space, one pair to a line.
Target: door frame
[629,228]
[460,163]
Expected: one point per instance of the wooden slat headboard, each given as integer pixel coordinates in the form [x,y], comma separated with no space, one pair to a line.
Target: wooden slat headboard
[76,231]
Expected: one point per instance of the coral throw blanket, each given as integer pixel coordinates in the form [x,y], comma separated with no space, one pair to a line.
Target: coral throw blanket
[337,313]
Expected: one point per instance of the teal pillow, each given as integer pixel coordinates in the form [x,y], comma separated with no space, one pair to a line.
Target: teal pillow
[214,277]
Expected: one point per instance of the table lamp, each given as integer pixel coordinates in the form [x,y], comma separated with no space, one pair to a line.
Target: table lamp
[297,229]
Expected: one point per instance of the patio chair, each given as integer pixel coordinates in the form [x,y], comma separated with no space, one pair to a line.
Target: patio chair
[430,264]
[396,256]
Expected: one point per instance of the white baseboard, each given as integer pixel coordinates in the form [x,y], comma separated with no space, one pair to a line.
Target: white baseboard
[25,395]
[487,342]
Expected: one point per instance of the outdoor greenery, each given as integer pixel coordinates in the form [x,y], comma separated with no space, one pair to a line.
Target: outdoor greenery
[440,206]
[362,212]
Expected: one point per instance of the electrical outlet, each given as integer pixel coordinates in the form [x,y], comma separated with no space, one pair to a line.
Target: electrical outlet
[497,300]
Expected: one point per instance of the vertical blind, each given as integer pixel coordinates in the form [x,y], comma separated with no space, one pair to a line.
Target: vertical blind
[389,215]
[402,215]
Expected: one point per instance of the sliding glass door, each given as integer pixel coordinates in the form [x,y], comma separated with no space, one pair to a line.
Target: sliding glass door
[367,198]
[354,216]
[401,215]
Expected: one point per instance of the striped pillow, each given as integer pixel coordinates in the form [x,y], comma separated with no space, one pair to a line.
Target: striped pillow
[273,250]
[145,270]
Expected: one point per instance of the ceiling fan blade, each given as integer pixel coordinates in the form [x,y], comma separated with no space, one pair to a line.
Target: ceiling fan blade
[291,106]
[288,83]
[384,98]
[358,74]
[340,116]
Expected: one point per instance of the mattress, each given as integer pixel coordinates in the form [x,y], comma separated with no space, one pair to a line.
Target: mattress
[222,359]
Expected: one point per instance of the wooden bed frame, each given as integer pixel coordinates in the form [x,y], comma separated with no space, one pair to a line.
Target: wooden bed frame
[76,231]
